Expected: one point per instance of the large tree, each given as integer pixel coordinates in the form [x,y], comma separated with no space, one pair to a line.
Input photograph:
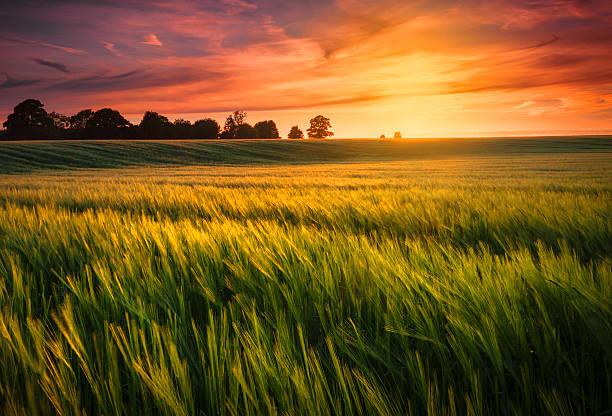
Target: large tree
[107,118]
[245,131]
[154,126]
[60,121]
[182,129]
[206,129]
[28,120]
[232,123]
[296,133]
[319,128]
[80,119]
[266,130]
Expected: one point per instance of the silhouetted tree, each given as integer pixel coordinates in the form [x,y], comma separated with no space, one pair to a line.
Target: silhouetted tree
[182,129]
[206,129]
[397,135]
[266,130]
[108,124]
[29,120]
[60,121]
[80,119]
[245,131]
[107,118]
[296,133]
[239,117]
[154,126]
[382,136]
[319,128]
[232,123]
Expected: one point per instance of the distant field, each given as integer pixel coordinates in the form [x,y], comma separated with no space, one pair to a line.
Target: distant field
[36,155]
[468,277]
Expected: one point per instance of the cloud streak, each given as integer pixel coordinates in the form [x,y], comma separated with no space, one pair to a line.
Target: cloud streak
[46,45]
[55,65]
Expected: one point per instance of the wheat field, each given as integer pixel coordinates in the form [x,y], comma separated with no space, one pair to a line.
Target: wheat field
[473,284]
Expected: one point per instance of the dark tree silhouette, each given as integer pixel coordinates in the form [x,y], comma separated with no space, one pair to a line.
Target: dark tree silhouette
[80,119]
[107,118]
[319,128]
[182,129]
[61,124]
[229,129]
[232,123]
[239,117]
[266,130]
[29,120]
[206,129]
[60,121]
[296,133]
[245,131]
[108,124]
[154,126]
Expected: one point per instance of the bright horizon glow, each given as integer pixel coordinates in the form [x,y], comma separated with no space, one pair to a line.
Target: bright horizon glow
[426,69]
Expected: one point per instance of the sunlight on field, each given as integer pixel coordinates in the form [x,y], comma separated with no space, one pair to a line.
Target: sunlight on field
[464,286]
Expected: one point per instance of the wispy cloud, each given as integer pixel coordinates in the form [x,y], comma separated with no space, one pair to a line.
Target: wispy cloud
[524,104]
[55,65]
[11,82]
[47,45]
[110,47]
[151,39]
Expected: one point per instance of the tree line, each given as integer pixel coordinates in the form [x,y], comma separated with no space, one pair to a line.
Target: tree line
[30,120]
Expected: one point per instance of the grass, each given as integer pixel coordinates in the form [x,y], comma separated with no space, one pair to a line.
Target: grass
[30,156]
[475,285]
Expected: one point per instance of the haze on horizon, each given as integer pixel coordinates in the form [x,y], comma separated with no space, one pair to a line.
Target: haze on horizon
[425,68]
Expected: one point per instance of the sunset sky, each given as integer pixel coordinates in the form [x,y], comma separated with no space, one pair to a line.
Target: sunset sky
[425,68]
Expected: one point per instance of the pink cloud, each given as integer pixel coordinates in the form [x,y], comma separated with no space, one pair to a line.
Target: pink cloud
[151,39]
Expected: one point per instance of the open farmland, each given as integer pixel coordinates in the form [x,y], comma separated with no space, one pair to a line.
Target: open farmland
[441,277]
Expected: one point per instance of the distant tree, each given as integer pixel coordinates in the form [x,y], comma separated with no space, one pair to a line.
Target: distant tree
[80,119]
[108,124]
[206,129]
[107,118]
[229,128]
[239,117]
[225,134]
[154,126]
[60,121]
[29,120]
[232,123]
[382,136]
[397,135]
[266,130]
[245,131]
[319,128]
[296,133]
[182,129]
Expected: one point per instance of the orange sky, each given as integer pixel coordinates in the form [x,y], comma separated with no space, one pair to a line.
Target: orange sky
[425,68]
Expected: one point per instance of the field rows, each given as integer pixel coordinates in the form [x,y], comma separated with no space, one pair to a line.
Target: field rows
[473,286]
[29,156]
